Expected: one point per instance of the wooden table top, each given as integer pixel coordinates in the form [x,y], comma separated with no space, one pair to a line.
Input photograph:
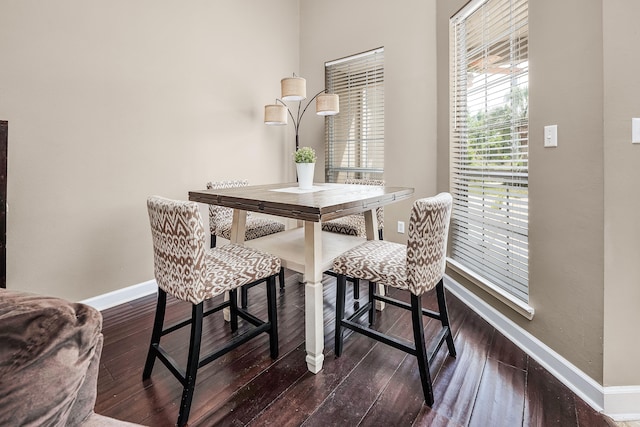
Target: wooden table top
[324,202]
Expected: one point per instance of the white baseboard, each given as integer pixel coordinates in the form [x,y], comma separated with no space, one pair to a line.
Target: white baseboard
[619,403]
[622,403]
[121,296]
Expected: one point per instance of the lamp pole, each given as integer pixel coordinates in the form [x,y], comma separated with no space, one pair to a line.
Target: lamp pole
[296,121]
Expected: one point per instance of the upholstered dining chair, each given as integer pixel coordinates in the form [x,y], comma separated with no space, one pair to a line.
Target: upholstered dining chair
[417,267]
[221,220]
[186,269]
[354,225]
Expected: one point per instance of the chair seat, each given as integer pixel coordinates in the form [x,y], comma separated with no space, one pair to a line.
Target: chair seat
[351,225]
[231,266]
[221,218]
[376,261]
[354,225]
[256,226]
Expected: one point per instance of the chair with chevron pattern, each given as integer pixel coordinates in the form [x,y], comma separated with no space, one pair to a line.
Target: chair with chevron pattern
[221,220]
[189,271]
[354,225]
[418,268]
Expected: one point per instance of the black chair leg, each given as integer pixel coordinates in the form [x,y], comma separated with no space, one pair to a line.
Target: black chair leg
[192,364]
[281,279]
[372,303]
[444,316]
[156,334]
[244,297]
[244,290]
[341,284]
[272,313]
[213,241]
[380,234]
[233,309]
[421,351]
[356,288]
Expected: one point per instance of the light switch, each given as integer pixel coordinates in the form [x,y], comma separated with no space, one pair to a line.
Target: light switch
[635,131]
[551,136]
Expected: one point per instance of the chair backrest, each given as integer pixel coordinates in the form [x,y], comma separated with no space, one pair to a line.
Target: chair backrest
[427,242]
[220,214]
[370,181]
[178,248]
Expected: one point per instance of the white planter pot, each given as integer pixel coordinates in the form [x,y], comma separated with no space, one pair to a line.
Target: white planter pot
[305,175]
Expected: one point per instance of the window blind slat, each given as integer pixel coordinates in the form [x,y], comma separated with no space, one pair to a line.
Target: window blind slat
[489,142]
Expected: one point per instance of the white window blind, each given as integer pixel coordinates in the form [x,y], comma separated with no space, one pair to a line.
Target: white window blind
[489,142]
[355,137]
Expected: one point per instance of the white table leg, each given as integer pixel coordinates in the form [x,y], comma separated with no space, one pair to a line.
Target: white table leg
[313,300]
[371,225]
[238,226]
[238,232]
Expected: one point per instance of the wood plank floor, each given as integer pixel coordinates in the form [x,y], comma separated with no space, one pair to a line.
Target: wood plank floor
[491,382]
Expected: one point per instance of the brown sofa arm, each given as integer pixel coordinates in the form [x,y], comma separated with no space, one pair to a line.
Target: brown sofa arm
[49,359]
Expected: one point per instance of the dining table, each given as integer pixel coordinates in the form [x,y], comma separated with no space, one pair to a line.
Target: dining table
[305,248]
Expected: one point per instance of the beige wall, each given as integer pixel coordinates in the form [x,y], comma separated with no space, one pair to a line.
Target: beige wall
[332,29]
[565,183]
[621,200]
[110,102]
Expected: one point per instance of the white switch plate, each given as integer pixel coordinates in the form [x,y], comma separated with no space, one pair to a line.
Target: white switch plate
[401,227]
[635,131]
[551,136]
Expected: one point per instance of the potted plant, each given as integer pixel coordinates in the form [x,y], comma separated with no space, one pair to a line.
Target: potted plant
[305,158]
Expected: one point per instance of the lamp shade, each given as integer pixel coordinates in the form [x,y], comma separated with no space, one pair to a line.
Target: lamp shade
[293,88]
[327,104]
[275,114]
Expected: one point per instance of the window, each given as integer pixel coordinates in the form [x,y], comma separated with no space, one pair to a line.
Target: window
[355,137]
[489,145]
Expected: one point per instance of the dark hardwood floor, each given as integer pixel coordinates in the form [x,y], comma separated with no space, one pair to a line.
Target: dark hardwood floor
[491,382]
